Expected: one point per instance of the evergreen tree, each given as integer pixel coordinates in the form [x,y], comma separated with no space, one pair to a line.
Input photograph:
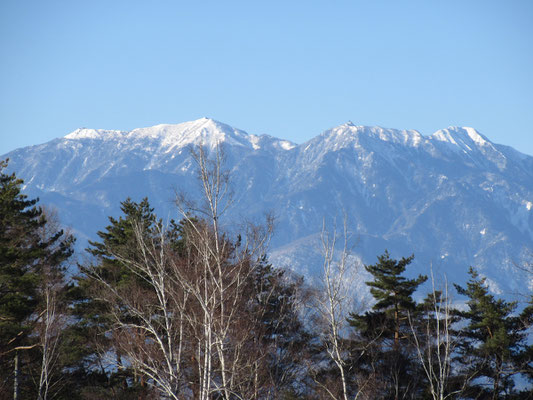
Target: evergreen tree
[382,353]
[30,255]
[119,237]
[89,336]
[493,350]
[20,250]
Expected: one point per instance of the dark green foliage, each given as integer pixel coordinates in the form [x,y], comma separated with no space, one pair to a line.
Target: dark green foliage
[493,349]
[381,353]
[32,256]
[119,239]
[87,337]
[119,235]
[20,251]
[525,359]
[393,293]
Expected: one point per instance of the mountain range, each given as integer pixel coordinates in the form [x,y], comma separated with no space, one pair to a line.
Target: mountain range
[454,198]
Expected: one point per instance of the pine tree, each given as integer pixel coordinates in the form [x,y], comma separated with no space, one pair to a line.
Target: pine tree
[30,253]
[494,348]
[20,222]
[382,352]
[393,293]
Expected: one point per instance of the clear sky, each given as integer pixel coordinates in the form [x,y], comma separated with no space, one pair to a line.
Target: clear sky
[287,68]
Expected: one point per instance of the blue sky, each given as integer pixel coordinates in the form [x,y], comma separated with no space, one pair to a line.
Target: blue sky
[287,68]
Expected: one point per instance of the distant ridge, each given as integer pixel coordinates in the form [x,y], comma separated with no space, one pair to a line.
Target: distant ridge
[454,198]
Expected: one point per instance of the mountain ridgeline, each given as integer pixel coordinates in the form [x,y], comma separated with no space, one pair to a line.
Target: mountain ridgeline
[454,199]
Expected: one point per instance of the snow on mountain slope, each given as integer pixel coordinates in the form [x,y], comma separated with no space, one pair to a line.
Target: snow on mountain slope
[453,198]
[204,130]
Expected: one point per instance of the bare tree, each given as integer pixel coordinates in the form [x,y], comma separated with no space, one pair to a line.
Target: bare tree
[184,321]
[49,328]
[335,303]
[435,340]
[435,344]
[147,313]
[223,292]
[51,319]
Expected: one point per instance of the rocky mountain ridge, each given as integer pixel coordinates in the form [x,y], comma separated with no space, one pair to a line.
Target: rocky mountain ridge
[453,198]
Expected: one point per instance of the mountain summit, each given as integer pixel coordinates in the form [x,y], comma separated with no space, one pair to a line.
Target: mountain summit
[202,131]
[453,198]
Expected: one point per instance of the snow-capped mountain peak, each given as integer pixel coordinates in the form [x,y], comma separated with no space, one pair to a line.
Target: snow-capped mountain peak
[466,140]
[453,198]
[374,137]
[204,131]
[464,137]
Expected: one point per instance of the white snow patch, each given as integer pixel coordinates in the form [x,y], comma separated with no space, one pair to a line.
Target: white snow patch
[286,145]
[254,140]
[529,205]
[444,136]
[462,138]
[417,138]
[84,133]
[475,136]
[493,286]
[483,232]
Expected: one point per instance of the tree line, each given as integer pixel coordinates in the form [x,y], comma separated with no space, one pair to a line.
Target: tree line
[189,310]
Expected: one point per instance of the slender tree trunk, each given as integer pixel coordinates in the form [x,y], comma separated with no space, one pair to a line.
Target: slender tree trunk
[337,277]
[397,326]
[496,386]
[16,377]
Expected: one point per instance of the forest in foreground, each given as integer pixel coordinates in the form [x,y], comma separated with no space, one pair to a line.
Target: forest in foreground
[189,310]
